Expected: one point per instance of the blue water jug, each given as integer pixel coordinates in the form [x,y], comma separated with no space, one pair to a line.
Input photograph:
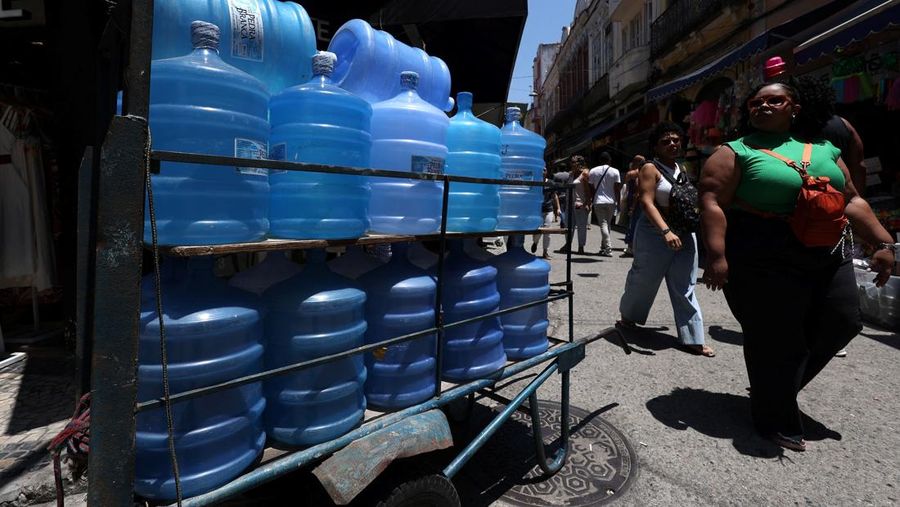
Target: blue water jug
[523,278]
[354,263]
[370,62]
[269,39]
[213,335]
[275,268]
[200,104]
[319,123]
[473,149]
[408,134]
[474,350]
[400,301]
[316,313]
[522,152]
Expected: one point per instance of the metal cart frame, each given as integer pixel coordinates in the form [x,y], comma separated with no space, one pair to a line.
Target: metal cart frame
[117,222]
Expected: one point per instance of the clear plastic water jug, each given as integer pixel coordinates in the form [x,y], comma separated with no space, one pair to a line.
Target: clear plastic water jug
[274,268]
[213,335]
[200,104]
[316,313]
[473,149]
[408,134]
[523,278]
[400,301]
[470,289]
[370,62]
[319,123]
[522,154]
[269,39]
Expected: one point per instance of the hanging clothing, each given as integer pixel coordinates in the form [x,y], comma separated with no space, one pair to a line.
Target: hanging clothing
[26,247]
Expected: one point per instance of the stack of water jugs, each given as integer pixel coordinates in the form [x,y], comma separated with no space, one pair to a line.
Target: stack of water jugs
[247,82]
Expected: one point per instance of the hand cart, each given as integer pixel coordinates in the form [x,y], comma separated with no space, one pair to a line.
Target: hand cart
[345,465]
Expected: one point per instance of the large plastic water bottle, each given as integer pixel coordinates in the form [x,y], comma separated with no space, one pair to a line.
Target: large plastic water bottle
[473,147]
[370,62]
[401,301]
[276,267]
[200,104]
[408,134]
[319,123]
[213,335]
[354,263]
[523,278]
[316,313]
[269,39]
[470,289]
[522,152]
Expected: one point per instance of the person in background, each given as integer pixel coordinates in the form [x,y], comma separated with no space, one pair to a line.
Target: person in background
[660,252]
[797,305]
[550,211]
[634,209]
[581,193]
[562,178]
[606,183]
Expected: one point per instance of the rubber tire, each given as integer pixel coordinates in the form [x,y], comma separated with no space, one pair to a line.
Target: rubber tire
[428,491]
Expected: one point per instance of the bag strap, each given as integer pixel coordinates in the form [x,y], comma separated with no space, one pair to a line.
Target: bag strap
[664,171]
[800,168]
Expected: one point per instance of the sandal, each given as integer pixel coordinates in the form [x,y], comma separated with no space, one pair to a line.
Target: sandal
[793,443]
[702,350]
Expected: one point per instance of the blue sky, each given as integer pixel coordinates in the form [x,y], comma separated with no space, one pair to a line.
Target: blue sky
[544,24]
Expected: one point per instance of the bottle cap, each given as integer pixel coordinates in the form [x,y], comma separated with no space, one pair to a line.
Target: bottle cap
[323,63]
[204,35]
[409,80]
[775,66]
[464,101]
[513,114]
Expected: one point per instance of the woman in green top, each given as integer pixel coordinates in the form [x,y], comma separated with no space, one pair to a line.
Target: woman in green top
[797,305]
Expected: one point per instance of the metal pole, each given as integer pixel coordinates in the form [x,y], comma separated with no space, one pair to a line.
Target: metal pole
[439,292]
[117,301]
[570,204]
[137,76]
[84,273]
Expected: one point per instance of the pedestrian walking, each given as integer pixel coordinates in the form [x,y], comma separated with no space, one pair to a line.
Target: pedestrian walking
[786,279]
[550,211]
[634,209]
[562,178]
[606,183]
[661,252]
[581,194]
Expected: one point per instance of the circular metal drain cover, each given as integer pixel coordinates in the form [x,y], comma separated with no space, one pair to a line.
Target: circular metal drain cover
[600,467]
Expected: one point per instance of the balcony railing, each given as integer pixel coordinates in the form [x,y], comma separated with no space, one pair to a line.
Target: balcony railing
[681,18]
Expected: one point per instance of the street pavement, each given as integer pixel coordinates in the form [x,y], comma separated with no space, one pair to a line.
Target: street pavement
[688,416]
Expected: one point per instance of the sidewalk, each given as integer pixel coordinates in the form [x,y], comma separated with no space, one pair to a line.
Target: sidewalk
[37,396]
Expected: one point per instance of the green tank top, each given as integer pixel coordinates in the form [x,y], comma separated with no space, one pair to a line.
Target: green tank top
[768,184]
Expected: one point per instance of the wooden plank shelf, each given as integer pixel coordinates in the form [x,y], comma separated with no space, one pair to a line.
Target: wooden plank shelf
[302,244]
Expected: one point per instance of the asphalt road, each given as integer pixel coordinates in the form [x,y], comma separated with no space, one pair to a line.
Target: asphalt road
[688,416]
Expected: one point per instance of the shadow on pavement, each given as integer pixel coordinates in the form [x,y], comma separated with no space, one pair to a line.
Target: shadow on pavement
[891,340]
[46,394]
[718,415]
[720,334]
[645,340]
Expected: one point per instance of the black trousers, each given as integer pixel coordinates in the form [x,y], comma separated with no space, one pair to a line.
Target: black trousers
[797,306]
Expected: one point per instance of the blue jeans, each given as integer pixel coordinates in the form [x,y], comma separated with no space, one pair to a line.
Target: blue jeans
[653,261]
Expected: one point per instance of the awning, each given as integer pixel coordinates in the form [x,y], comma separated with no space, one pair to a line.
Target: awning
[745,51]
[863,19]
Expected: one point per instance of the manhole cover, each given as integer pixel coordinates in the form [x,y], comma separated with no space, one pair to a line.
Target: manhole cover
[600,467]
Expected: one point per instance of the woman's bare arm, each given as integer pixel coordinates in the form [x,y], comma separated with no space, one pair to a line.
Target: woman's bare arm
[718,184]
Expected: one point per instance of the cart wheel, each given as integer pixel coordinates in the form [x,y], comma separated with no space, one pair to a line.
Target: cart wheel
[431,490]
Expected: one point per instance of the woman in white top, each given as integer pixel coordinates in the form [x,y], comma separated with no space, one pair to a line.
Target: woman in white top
[661,253]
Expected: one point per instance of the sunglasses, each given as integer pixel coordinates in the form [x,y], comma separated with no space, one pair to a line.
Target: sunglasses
[773,101]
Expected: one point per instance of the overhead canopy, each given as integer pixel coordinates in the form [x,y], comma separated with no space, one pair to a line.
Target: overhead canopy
[478,39]
[741,52]
[864,18]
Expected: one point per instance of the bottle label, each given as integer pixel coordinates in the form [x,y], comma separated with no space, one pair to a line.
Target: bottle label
[248,148]
[277,152]
[427,165]
[516,175]
[246,30]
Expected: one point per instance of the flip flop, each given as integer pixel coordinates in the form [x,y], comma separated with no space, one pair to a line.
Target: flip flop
[792,443]
[701,350]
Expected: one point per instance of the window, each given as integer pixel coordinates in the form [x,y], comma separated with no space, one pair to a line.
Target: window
[624,43]
[608,49]
[635,32]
